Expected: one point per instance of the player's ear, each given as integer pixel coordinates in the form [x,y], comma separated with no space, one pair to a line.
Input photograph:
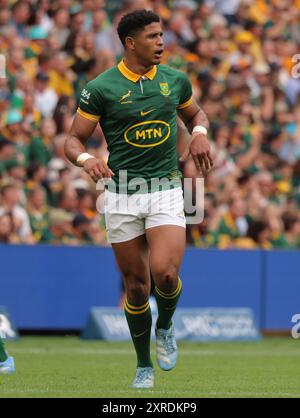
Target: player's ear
[129,43]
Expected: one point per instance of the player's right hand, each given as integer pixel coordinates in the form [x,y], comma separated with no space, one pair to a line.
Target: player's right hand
[97,169]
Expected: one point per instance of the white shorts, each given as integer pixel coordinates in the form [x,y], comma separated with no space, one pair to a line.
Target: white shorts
[128,216]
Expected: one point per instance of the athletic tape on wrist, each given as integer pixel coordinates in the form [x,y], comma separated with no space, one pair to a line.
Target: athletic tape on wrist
[81,159]
[199,130]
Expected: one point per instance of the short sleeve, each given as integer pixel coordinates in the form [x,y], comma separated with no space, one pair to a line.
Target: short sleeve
[186,92]
[91,102]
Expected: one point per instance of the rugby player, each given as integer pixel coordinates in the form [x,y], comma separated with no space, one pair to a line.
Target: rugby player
[136,104]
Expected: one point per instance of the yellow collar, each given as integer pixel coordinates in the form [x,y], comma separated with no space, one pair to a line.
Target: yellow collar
[133,76]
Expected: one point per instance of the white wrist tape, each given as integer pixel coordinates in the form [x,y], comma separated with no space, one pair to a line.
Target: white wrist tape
[199,130]
[81,159]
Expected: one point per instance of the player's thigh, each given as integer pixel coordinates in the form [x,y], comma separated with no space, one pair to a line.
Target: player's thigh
[122,218]
[133,260]
[165,231]
[167,245]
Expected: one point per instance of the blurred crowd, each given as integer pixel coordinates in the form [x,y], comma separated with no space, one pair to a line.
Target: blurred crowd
[240,56]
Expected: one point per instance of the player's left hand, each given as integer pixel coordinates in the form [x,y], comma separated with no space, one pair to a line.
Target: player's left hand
[97,169]
[199,148]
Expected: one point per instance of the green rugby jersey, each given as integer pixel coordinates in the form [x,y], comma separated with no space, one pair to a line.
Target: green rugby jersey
[138,118]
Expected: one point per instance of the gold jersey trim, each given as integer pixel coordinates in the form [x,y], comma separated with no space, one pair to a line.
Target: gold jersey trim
[88,116]
[130,75]
[185,104]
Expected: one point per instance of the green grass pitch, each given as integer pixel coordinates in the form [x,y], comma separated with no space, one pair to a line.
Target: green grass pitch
[69,367]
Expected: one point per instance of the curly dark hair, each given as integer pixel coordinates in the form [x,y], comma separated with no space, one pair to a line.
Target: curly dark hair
[134,22]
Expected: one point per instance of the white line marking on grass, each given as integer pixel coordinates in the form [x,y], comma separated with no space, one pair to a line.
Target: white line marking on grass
[171,393]
[126,352]
[72,351]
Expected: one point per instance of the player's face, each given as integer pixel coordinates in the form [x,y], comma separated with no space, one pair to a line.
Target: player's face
[149,45]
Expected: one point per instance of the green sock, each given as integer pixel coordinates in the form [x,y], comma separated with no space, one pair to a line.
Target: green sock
[3,355]
[139,320]
[166,305]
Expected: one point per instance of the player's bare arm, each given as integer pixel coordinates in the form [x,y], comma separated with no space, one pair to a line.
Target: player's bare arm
[198,147]
[81,130]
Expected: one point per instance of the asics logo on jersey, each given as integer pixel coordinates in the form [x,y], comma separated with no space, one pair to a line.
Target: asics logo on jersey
[85,94]
[125,96]
[146,113]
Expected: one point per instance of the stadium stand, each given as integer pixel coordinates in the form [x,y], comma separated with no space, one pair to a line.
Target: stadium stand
[239,55]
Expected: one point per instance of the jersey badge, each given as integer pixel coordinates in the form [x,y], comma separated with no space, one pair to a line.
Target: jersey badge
[165,89]
[124,97]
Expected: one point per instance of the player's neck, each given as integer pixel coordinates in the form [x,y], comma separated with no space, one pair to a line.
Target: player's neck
[136,67]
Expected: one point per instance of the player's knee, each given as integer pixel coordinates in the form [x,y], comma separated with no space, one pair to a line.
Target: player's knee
[137,289]
[167,278]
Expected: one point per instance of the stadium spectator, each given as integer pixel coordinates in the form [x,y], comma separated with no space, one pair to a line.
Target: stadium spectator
[40,15]
[60,223]
[60,28]
[16,172]
[20,17]
[7,234]
[258,236]
[291,236]
[61,77]
[5,16]
[38,42]
[7,153]
[42,147]
[11,205]
[39,215]
[46,97]
[68,200]
[63,114]
[86,203]
[81,226]
[233,224]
